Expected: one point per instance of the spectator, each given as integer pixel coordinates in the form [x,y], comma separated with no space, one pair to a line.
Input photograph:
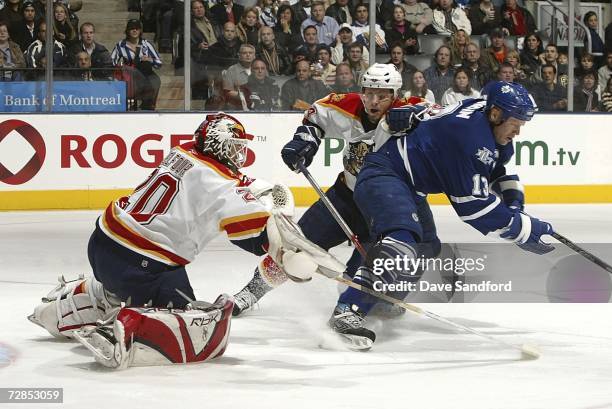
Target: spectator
[457,44]
[301,11]
[10,56]
[341,12]
[99,55]
[237,75]
[63,30]
[267,13]
[300,92]
[405,69]
[448,18]
[40,6]
[11,14]
[597,45]
[506,72]
[340,49]
[608,35]
[530,57]
[398,30]
[418,14]
[327,27]
[440,75]
[142,58]
[227,11]
[517,20]
[550,57]
[493,56]
[224,52]
[36,51]
[606,97]
[355,60]
[484,17]
[323,70]
[287,31]
[585,65]
[361,29]
[585,94]
[549,95]
[23,32]
[479,74]
[260,92]
[345,82]
[310,47]
[605,72]
[83,62]
[514,60]
[460,90]
[268,50]
[248,28]
[418,88]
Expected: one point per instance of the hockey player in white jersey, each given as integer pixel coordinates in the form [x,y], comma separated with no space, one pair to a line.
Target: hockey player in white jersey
[142,243]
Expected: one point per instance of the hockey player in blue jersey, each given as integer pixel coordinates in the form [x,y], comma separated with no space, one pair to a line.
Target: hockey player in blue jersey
[460,152]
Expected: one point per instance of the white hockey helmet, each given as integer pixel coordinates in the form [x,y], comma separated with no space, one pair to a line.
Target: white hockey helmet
[384,76]
[223,137]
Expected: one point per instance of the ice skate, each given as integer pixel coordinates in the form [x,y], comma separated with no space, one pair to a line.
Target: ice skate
[348,322]
[244,300]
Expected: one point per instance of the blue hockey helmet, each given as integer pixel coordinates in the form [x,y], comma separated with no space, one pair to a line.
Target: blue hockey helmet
[512,98]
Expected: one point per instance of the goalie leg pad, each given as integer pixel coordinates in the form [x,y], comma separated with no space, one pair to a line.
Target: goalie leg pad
[150,336]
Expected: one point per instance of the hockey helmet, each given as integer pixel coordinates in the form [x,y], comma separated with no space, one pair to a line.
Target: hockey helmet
[512,98]
[384,76]
[223,137]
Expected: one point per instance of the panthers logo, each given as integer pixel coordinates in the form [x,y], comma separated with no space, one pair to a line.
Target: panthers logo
[337,97]
[354,156]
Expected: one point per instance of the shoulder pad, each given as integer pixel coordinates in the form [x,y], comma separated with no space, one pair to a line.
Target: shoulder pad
[347,104]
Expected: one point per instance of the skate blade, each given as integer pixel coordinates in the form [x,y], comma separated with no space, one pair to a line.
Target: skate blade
[356,342]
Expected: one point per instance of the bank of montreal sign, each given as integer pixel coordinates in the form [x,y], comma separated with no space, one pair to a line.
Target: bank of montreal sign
[35,163]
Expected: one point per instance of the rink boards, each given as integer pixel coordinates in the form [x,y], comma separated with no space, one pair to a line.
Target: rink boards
[84,161]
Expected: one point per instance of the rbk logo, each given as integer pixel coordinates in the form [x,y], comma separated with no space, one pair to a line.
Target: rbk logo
[33,137]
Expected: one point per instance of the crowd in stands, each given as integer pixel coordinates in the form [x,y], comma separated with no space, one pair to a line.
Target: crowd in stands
[284,55]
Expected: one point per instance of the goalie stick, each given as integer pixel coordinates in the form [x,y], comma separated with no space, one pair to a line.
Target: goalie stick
[528,351]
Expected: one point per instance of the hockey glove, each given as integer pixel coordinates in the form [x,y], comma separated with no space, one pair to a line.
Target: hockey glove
[406,118]
[302,147]
[510,189]
[527,233]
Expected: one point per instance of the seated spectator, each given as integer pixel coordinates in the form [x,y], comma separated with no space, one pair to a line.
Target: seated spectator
[479,73]
[139,57]
[484,17]
[505,72]
[327,28]
[605,72]
[345,82]
[598,48]
[10,56]
[585,94]
[310,47]
[36,51]
[457,44]
[605,104]
[418,15]
[260,92]
[99,55]
[323,70]
[23,32]
[287,30]
[418,88]
[11,13]
[268,50]
[517,20]
[248,28]
[301,10]
[440,75]
[397,59]
[63,30]
[355,60]
[361,29]
[448,18]
[83,62]
[549,95]
[224,52]
[514,60]
[341,12]
[300,92]
[550,57]
[237,75]
[398,30]
[530,57]
[493,56]
[460,90]
[586,64]
[224,12]
[340,48]
[267,13]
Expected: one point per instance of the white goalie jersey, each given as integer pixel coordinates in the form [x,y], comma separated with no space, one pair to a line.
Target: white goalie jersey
[187,201]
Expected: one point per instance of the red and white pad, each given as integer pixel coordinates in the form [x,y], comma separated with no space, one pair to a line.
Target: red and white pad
[153,336]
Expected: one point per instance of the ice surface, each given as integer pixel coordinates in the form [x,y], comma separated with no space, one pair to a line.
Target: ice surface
[282,355]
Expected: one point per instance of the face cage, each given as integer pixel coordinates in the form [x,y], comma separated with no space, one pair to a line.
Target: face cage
[236,151]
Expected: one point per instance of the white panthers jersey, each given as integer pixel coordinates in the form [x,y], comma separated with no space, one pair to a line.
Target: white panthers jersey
[187,201]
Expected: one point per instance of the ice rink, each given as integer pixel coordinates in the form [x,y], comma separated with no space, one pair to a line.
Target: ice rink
[283,356]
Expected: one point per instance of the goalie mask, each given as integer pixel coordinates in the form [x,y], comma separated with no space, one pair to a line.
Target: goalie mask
[223,137]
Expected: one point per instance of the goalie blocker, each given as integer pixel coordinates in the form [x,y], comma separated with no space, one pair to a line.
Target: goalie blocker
[153,336]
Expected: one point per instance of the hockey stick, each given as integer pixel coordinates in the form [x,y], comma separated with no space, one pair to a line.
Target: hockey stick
[589,256]
[528,351]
